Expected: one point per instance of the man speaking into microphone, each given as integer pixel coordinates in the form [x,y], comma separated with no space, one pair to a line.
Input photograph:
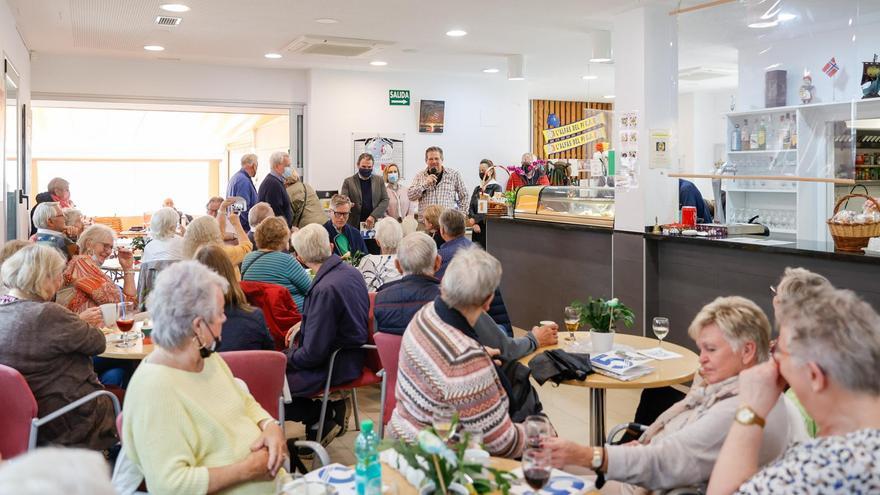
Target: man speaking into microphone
[437,185]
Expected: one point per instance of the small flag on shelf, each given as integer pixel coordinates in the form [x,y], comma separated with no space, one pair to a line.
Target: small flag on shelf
[831,68]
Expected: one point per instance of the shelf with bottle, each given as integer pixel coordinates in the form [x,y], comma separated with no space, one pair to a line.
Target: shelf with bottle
[764,134]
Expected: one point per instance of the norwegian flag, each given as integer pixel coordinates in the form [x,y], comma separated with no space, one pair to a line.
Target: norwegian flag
[831,68]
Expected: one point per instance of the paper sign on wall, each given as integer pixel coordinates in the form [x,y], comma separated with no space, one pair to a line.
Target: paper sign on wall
[658,149]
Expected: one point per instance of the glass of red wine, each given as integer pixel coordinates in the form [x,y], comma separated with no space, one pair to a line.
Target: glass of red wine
[536,467]
[125,322]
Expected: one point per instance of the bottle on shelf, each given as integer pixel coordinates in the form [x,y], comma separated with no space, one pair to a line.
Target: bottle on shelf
[368,471]
[794,132]
[786,133]
[736,139]
[746,137]
[762,135]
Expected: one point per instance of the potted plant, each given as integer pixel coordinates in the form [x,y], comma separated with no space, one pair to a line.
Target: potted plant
[510,200]
[601,315]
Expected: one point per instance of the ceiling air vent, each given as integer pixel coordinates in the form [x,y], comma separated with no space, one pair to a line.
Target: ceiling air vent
[164,20]
[335,46]
[703,73]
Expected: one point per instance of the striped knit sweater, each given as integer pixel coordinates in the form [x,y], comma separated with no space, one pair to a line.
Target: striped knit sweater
[441,365]
[279,268]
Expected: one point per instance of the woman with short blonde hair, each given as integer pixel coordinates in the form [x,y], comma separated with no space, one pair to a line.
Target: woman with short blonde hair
[205,230]
[92,287]
[272,264]
[431,223]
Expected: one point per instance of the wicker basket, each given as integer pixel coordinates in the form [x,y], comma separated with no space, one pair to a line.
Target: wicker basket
[852,236]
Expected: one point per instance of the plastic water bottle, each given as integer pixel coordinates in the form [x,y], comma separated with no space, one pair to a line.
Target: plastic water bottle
[368,471]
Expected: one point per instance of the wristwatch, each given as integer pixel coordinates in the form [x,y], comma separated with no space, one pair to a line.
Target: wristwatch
[745,415]
[596,463]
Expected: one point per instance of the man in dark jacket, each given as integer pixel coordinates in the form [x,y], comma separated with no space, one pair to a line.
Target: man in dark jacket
[346,240]
[58,191]
[272,188]
[334,316]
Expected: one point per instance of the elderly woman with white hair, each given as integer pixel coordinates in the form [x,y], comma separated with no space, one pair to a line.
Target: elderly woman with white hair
[681,446]
[92,287]
[165,245]
[334,316]
[188,426]
[53,349]
[829,353]
[441,346]
[378,269]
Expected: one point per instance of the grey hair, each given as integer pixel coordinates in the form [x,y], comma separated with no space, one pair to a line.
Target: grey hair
[388,234]
[471,277]
[339,200]
[57,470]
[452,222]
[258,213]
[416,254]
[248,159]
[797,281]
[71,215]
[30,268]
[57,183]
[43,212]
[94,234]
[277,157]
[312,243]
[164,222]
[838,331]
[740,320]
[181,293]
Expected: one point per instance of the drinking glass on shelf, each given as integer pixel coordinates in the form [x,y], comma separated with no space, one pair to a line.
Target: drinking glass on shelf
[661,328]
[442,420]
[125,312]
[572,320]
[536,467]
[537,428]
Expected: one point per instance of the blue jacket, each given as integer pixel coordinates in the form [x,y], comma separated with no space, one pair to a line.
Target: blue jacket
[273,192]
[689,195]
[398,301]
[241,185]
[355,239]
[334,316]
[447,252]
[245,331]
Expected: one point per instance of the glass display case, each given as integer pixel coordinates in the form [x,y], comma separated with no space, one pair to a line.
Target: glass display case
[583,205]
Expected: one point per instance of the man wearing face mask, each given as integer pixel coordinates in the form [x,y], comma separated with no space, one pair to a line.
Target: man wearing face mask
[437,185]
[272,189]
[530,174]
[241,184]
[366,192]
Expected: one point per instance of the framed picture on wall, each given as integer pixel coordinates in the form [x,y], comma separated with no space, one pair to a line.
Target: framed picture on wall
[431,115]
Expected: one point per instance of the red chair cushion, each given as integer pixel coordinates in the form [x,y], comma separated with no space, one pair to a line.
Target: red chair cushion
[389,352]
[17,408]
[263,372]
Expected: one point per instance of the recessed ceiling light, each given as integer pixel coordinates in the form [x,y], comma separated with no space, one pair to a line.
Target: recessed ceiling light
[456,33]
[153,48]
[589,78]
[490,71]
[609,97]
[174,7]
[764,24]
[600,60]
[272,55]
[785,16]
[379,63]
[772,66]
[326,20]
[516,79]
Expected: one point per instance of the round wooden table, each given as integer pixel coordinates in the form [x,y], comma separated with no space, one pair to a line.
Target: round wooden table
[138,351]
[666,372]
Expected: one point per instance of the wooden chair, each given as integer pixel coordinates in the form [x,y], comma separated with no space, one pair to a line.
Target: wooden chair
[114,223]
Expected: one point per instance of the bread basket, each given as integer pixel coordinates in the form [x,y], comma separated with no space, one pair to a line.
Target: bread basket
[852,237]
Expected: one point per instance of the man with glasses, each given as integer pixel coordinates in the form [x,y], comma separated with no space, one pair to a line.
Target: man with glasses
[49,220]
[346,240]
[58,190]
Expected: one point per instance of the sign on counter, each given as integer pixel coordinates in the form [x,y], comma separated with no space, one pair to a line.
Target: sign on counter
[398,97]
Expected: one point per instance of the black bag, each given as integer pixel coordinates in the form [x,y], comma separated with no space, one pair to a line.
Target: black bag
[522,395]
[558,366]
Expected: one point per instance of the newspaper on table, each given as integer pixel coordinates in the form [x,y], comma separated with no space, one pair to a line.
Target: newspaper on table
[621,364]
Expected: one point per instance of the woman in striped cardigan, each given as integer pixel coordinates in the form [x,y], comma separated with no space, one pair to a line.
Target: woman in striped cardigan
[441,361]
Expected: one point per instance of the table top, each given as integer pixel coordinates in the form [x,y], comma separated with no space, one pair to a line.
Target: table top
[112,264]
[667,372]
[137,352]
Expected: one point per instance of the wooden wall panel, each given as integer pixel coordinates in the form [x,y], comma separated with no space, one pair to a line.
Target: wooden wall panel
[568,112]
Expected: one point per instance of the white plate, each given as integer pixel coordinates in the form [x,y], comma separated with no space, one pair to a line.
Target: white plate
[871,252]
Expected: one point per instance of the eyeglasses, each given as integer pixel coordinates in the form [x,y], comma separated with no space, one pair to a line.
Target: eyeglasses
[340,214]
[775,350]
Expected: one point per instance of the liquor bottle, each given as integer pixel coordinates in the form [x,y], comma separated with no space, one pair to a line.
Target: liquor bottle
[786,133]
[794,136]
[746,137]
[753,138]
[762,135]
[736,139]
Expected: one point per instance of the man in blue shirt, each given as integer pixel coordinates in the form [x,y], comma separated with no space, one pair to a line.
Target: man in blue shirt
[689,195]
[241,184]
[272,188]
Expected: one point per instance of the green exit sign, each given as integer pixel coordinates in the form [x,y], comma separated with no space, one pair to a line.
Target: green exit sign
[398,97]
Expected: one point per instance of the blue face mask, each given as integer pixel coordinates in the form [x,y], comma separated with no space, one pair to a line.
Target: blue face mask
[365,172]
[288,171]
[392,177]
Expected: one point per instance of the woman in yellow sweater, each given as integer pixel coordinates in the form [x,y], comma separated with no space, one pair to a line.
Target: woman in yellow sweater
[188,427]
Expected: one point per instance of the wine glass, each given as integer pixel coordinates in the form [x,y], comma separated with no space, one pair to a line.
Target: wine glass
[537,428]
[536,467]
[661,328]
[442,420]
[572,320]
[125,322]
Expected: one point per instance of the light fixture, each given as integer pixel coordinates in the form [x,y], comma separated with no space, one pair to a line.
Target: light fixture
[154,48]
[272,55]
[601,47]
[326,20]
[785,16]
[516,67]
[378,63]
[589,77]
[764,24]
[490,71]
[174,7]
[456,33]
[772,66]
[608,97]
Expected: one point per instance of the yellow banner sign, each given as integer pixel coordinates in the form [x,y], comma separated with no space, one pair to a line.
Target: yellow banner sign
[574,142]
[574,128]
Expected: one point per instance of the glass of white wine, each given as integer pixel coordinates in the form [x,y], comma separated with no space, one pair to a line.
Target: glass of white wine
[572,320]
[661,328]
[442,420]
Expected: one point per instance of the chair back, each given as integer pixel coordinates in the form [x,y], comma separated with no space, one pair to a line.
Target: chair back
[371,321]
[114,223]
[147,277]
[278,307]
[263,372]
[388,345]
[17,409]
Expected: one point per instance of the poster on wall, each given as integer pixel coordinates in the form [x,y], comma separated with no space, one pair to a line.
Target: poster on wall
[626,173]
[386,148]
[658,149]
[431,116]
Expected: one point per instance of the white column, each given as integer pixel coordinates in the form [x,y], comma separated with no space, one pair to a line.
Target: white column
[646,81]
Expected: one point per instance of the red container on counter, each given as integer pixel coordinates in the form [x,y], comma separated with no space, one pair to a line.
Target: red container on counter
[689,216]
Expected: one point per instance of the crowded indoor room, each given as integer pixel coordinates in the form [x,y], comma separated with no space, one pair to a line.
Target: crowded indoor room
[246,250]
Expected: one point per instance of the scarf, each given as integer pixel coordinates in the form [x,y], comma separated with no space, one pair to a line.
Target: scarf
[698,401]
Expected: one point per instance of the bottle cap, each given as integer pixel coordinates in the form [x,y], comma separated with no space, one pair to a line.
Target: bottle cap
[367,425]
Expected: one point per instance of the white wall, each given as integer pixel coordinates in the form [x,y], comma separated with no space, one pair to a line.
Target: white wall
[484,119]
[166,80]
[701,128]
